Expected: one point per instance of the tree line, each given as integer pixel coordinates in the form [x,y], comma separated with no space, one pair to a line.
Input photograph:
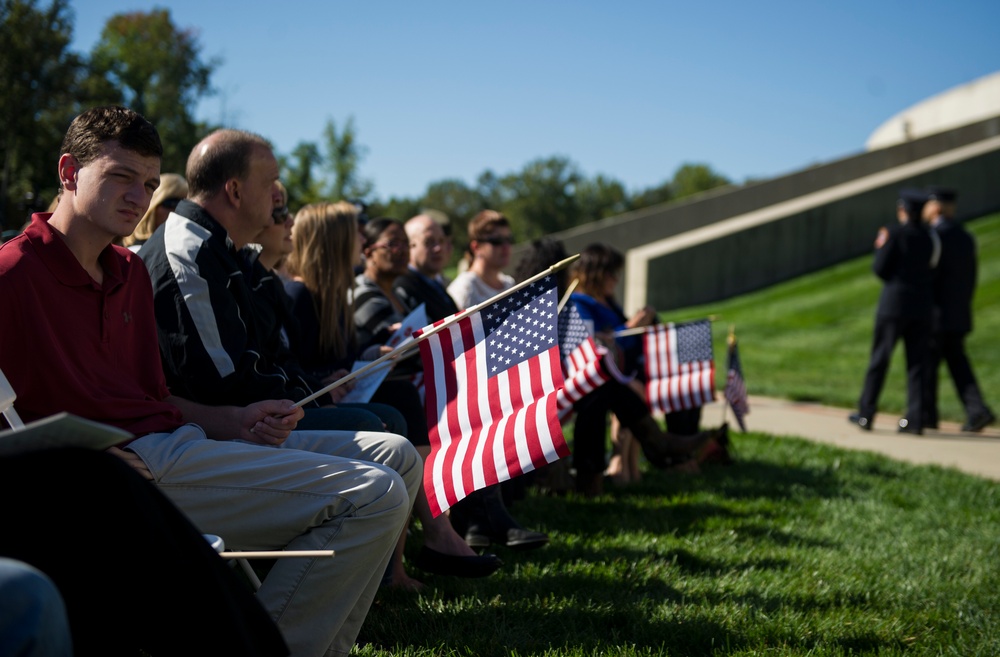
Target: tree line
[145,61]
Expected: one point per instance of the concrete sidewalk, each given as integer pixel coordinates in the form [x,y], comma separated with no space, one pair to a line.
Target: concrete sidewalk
[974,453]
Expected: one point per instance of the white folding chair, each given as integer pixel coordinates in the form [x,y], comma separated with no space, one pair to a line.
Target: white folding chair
[7,399]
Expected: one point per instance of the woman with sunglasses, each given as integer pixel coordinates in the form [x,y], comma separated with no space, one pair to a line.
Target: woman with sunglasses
[490,241]
[172,190]
[483,516]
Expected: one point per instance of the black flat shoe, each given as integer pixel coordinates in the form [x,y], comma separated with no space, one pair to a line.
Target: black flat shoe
[439,563]
[979,422]
[860,420]
[905,426]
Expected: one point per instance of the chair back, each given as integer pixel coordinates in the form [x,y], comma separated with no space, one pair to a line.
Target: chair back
[7,398]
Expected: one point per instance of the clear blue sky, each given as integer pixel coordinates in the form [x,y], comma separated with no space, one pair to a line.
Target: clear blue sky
[631,90]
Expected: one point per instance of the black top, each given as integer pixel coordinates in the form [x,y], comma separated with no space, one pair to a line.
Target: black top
[904,263]
[413,288]
[955,280]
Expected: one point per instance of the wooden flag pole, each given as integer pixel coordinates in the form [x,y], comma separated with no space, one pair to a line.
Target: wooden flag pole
[730,341]
[277,554]
[569,291]
[638,330]
[400,350]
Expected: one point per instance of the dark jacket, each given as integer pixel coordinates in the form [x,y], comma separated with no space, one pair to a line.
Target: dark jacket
[955,279]
[209,335]
[413,288]
[904,263]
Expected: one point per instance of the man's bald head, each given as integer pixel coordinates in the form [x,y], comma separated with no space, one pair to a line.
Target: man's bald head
[220,157]
[428,253]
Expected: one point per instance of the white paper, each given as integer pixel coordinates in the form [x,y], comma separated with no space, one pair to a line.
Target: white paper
[60,430]
[416,320]
[366,384]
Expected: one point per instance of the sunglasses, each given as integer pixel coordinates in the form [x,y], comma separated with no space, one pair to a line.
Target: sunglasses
[497,241]
[280,215]
[170,203]
[392,245]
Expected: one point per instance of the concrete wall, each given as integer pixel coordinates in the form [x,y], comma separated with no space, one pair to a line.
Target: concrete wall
[737,239]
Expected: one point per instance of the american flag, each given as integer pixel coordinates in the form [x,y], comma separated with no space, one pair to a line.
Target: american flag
[491,382]
[680,369]
[583,359]
[736,387]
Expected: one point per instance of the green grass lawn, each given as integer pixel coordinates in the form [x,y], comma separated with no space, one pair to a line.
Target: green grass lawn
[809,339]
[795,549]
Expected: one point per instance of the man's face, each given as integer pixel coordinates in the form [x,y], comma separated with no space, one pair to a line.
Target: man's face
[428,253]
[113,191]
[260,192]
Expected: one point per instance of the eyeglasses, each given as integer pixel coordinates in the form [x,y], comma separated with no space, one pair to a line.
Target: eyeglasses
[170,203]
[392,245]
[497,241]
[280,215]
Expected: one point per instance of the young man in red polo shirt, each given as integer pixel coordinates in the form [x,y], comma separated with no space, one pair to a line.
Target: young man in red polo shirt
[78,335]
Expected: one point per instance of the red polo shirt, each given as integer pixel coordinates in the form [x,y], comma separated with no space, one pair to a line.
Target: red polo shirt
[69,344]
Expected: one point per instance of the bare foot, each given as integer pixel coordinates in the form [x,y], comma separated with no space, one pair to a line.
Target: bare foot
[617,471]
[403,582]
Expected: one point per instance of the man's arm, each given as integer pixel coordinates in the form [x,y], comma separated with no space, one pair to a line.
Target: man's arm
[266,422]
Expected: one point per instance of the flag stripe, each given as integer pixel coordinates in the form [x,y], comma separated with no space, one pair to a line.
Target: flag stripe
[492,384]
[680,371]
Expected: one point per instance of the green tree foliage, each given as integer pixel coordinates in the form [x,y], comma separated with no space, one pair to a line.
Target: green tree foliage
[147,63]
[548,195]
[343,160]
[301,175]
[38,78]
[541,198]
[601,197]
[661,193]
[691,179]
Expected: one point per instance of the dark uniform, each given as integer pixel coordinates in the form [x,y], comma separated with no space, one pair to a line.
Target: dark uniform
[954,286]
[904,261]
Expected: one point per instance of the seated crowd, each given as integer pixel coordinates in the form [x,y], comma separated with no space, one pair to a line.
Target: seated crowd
[206,318]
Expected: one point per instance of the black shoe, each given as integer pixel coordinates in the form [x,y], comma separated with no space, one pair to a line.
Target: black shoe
[905,426]
[515,538]
[979,422]
[484,520]
[860,420]
[439,563]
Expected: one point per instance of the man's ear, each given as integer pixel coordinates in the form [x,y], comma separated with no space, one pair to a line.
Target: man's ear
[234,191]
[69,171]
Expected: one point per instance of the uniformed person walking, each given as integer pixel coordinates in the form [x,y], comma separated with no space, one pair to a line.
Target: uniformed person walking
[905,255]
[954,286]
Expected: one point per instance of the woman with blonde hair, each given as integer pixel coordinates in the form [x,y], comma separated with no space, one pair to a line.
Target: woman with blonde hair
[325,248]
[172,190]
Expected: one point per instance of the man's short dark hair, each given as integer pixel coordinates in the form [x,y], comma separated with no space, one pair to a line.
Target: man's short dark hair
[98,125]
[226,156]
